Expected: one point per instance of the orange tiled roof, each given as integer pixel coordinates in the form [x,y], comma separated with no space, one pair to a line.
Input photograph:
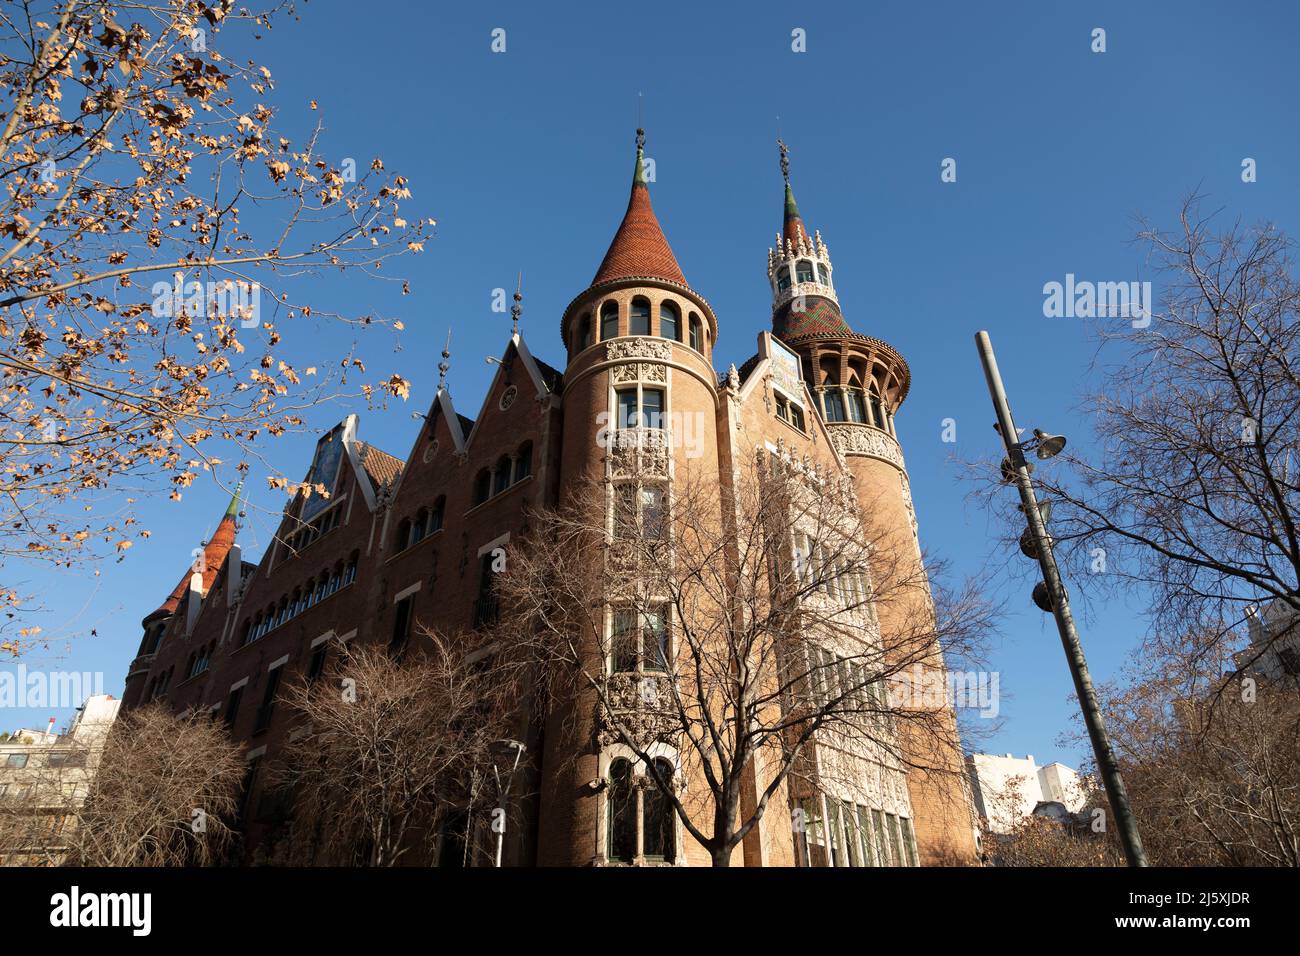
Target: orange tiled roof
[380,467]
[639,248]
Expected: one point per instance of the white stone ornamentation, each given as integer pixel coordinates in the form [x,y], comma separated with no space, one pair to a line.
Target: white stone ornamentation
[851,438]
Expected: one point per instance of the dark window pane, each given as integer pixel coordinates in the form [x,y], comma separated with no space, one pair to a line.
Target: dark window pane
[639,318]
[657,818]
[652,408]
[669,321]
[609,321]
[622,812]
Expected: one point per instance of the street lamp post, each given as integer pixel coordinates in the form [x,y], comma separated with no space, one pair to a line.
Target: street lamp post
[1058,600]
[503,790]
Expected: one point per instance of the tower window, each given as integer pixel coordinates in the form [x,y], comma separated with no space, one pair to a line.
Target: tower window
[857,411]
[639,641]
[805,270]
[609,321]
[833,402]
[783,279]
[584,333]
[823,274]
[657,817]
[697,341]
[641,408]
[501,475]
[669,321]
[622,812]
[877,411]
[639,320]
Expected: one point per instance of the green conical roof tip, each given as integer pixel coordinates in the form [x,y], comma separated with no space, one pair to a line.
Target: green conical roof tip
[638,175]
[233,510]
[791,207]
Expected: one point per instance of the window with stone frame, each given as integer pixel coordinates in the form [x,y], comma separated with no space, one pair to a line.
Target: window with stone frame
[639,640]
[639,819]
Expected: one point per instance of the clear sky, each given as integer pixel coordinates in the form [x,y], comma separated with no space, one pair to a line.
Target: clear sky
[524,157]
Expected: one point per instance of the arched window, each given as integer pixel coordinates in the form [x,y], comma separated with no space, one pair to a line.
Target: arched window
[524,461]
[300,601]
[584,333]
[335,578]
[435,516]
[608,321]
[670,321]
[420,526]
[246,633]
[403,534]
[804,269]
[350,572]
[823,274]
[783,279]
[658,841]
[322,585]
[482,486]
[501,475]
[639,319]
[697,341]
[622,812]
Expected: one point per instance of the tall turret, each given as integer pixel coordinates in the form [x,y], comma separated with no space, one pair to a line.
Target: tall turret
[858,383]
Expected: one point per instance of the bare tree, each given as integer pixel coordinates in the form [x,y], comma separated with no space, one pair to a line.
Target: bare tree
[739,628]
[1194,493]
[1212,764]
[1078,839]
[154,224]
[164,793]
[387,745]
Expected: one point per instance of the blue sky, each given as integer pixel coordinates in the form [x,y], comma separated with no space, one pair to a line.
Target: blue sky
[524,158]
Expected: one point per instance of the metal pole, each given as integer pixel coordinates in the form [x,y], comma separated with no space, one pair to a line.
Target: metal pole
[1092,717]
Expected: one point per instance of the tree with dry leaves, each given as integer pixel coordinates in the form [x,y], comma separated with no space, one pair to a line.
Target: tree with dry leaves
[1193,496]
[389,745]
[156,224]
[1076,839]
[734,629]
[1212,762]
[165,792]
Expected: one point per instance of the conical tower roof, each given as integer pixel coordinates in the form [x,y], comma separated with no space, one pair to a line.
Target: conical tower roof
[214,556]
[639,249]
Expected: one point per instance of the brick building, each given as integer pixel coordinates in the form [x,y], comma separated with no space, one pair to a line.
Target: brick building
[402,542]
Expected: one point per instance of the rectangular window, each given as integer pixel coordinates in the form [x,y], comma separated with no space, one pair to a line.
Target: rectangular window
[652,513]
[833,401]
[316,666]
[401,626]
[882,847]
[232,706]
[627,408]
[895,840]
[909,840]
[16,761]
[864,831]
[851,835]
[267,709]
[652,408]
[654,640]
[695,334]
[624,652]
[625,501]
[836,837]
[485,607]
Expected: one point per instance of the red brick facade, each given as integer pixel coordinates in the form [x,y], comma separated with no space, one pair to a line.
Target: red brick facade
[466,486]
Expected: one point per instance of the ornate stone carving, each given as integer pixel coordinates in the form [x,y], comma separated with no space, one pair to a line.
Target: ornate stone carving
[638,347]
[639,703]
[851,438]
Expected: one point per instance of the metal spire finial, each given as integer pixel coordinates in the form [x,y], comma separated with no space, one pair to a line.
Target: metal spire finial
[785,159]
[445,365]
[516,310]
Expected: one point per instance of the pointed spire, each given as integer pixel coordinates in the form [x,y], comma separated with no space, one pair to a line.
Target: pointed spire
[213,556]
[639,248]
[445,365]
[517,309]
[232,511]
[793,231]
